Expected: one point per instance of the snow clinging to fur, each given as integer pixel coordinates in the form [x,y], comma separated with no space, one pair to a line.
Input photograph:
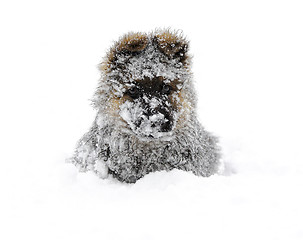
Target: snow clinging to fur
[146,118]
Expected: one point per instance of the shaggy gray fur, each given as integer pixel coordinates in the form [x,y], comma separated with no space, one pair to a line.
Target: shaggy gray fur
[116,145]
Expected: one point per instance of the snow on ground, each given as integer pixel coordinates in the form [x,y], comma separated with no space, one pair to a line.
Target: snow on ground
[248,70]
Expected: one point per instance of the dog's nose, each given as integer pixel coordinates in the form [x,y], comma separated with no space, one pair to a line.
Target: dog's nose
[168,124]
[166,127]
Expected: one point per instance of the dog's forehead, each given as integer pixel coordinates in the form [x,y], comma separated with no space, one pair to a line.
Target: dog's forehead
[150,63]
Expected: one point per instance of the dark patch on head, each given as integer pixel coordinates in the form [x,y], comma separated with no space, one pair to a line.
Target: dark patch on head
[151,87]
[173,46]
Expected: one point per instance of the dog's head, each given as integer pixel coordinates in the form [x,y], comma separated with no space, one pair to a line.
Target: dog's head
[146,83]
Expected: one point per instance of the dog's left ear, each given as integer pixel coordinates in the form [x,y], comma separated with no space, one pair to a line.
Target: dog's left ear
[172,45]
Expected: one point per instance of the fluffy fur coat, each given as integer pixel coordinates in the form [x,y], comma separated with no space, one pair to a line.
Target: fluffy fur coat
[146,112]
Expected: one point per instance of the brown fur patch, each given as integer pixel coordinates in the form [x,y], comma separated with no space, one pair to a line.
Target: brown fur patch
[185,109]
[115,104]
[131,43]
[172,45]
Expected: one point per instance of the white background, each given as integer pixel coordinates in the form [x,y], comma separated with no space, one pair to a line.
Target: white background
[248,59]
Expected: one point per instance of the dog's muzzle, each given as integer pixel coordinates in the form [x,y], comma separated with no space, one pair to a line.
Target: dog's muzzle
[159,119]
[150,117]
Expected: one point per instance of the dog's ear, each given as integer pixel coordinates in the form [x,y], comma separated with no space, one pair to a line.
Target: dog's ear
[173,45]
[130,44]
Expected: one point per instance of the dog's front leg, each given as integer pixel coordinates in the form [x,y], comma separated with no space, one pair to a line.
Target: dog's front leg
[88,154]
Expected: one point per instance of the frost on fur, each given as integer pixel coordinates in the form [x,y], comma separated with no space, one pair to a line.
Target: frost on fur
[146,119]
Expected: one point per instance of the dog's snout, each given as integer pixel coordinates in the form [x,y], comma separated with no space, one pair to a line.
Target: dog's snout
[166,127]
[168,124]
[165,123]
[149,116]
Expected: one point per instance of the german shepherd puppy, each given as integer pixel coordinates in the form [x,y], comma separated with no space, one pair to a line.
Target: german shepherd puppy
[146,112]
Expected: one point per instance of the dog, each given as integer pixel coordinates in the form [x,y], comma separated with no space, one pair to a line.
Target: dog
[146,112]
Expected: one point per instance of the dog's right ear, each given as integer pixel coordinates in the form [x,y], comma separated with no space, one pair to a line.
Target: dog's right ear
[130,44]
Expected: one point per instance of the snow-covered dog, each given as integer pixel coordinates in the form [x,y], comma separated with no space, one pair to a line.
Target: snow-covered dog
[146,118]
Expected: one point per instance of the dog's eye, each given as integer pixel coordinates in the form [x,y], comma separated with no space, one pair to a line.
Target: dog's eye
[133,92]
[166,89]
